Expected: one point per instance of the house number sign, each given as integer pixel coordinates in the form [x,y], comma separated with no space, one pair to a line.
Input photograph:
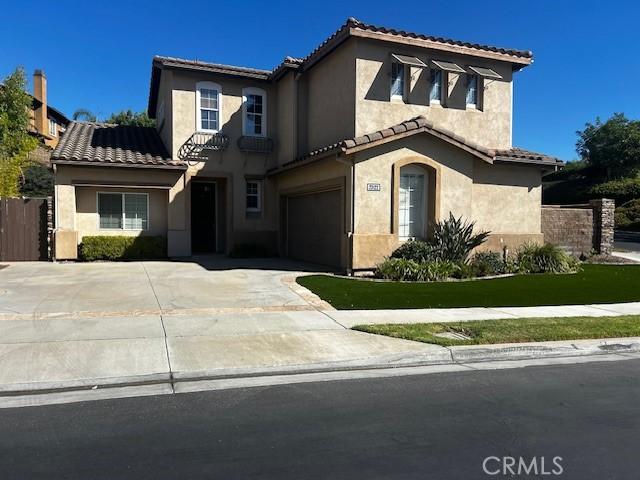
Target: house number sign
[373,187]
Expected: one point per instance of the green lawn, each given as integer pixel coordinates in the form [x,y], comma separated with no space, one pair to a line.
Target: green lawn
[595,284]
[513,330]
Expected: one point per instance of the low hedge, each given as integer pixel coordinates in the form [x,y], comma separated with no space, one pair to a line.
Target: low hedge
[627,216]
[122,248]
[621,190]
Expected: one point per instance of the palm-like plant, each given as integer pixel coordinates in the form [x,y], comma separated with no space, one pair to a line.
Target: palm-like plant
[454,239]
[84,115]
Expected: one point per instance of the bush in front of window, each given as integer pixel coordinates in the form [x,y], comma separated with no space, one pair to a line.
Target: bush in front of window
[122,248]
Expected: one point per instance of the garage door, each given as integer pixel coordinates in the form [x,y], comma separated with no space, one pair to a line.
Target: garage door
[315,227]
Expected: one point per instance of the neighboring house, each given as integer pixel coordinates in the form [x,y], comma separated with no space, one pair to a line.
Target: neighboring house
[335,158]
[46,122]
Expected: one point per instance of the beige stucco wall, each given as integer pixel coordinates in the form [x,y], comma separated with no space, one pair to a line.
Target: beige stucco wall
[229,168]
[75,205]
[490,127]
[87,212]
[330,87]
[507,198]
[286,120]
[503,199]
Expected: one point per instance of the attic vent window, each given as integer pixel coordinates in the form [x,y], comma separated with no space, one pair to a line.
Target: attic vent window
[486,72]
[448,66]
[407,60]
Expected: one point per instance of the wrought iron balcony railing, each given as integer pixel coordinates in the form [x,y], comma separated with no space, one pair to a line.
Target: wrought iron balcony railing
[201,142]
[255,144]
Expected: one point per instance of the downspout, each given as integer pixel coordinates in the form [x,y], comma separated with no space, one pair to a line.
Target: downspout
[353,214]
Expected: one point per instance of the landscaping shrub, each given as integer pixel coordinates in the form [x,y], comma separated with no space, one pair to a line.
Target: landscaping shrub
[454,239]
[410,270]
[488,263]
[627,216]
[416,250]
[623,189]
[533,258]
[122,248]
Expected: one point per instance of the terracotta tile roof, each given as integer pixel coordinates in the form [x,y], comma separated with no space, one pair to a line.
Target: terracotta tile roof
[354,23]
[520,155]
[88,143]
[419,125]
[212,67]
[349,28]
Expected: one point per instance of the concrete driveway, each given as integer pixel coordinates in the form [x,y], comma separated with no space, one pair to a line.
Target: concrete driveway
[77,325]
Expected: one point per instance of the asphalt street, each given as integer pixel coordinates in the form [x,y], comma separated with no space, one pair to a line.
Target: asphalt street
[440,426]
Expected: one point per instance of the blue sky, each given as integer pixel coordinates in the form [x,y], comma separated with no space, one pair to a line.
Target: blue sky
[97,55]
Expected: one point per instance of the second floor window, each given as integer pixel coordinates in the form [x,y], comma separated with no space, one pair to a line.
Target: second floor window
[254,102]
[472,91]
[397,80]
[435,89]
[208,106]
[53,128]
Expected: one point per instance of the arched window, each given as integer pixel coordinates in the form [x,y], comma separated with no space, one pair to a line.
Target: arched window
[208,106]
[254,112]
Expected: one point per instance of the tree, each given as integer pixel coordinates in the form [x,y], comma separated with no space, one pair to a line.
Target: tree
[84,115]
[128,117]
[612,146]
[15,140]
[38,181]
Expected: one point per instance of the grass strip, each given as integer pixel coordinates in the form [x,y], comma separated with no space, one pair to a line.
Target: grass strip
[512,330]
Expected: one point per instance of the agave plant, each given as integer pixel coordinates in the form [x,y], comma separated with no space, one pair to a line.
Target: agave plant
[454,239]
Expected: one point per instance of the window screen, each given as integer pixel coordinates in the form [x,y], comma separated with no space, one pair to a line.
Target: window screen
[135,211]
[110,210]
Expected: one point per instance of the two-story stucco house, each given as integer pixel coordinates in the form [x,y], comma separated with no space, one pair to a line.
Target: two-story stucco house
[335,158]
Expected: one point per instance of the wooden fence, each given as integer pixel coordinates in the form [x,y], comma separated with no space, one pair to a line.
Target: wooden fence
[25,229]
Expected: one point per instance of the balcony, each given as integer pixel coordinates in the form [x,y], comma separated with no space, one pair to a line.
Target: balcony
[200,143]
[255,144]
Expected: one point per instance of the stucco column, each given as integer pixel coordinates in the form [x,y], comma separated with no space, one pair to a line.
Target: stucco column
[178,241]
[66,236]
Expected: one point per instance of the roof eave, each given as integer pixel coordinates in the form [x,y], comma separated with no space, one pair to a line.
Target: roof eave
[520,61]
[86,163]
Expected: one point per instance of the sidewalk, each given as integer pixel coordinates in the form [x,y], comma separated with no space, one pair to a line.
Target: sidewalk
[350,318]
[104,356]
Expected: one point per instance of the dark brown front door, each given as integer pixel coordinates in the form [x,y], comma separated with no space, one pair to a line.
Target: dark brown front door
[203,217]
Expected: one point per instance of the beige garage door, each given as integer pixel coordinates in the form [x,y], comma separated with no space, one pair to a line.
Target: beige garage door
[315,227]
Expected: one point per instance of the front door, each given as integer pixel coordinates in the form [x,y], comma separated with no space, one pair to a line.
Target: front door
[203,217]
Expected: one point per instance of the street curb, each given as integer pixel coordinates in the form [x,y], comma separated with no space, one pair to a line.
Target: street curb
[458,355]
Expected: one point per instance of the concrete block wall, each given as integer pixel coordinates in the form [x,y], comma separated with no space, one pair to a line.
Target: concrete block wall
[580,229]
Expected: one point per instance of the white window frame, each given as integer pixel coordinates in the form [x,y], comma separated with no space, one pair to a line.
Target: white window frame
[414,170]
[123,228]
[404,82]
[432,72]
[260,92]
[208,86]
[258,208]
[53,128]
[475,105]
